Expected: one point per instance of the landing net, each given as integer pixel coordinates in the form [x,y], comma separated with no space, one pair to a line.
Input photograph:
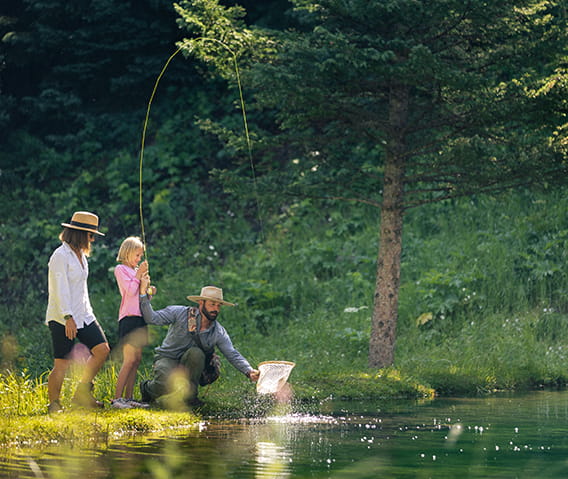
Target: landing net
[273,376]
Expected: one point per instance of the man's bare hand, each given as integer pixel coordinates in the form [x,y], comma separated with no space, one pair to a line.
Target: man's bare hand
[254,375]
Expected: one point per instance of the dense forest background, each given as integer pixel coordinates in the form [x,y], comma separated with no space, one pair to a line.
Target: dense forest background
[484,277]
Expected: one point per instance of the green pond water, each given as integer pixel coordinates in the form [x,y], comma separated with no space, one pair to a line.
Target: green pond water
[503,436]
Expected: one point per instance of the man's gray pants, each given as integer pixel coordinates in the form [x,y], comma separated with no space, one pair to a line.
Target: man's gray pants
[190,366]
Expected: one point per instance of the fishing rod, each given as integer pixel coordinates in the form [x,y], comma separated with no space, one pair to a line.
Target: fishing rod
[245,126]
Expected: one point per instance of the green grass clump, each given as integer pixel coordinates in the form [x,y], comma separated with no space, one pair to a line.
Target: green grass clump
[21,394]
[81,426]
[387,383]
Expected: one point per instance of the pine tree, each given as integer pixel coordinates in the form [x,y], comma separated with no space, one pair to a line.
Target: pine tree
[403,102]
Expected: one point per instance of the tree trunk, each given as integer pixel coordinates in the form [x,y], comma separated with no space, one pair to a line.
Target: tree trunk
[385,309]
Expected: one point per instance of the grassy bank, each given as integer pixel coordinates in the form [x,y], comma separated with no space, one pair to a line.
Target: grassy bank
[24,421]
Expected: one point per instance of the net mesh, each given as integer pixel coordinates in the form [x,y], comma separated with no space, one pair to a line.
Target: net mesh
[273,375]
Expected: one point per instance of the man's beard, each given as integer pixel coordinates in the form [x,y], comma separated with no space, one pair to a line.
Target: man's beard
[210,315]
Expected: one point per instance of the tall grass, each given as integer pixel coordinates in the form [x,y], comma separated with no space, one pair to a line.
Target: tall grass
[22,395]
[482,303]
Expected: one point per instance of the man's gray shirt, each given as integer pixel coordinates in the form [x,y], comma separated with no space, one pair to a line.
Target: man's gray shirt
[178,338]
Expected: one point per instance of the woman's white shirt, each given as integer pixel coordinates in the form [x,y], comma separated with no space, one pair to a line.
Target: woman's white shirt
[68,290]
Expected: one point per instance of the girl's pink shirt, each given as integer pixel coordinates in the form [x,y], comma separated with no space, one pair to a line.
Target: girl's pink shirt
[129,287]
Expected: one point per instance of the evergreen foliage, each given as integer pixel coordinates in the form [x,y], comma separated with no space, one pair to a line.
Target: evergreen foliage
[403,103]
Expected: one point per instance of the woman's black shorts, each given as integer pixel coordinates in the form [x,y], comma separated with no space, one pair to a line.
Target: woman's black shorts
[91,335]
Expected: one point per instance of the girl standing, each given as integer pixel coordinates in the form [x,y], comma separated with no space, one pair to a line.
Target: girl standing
[132,329]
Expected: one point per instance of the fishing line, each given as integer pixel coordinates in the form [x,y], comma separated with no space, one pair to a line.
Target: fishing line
[245,126]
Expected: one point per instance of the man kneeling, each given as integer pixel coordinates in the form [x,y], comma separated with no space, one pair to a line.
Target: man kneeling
[186,357]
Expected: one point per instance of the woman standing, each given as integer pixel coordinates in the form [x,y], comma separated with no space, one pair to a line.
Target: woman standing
[69,313]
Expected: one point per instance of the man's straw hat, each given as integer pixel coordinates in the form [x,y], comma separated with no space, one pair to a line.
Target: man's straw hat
[210,293]
[84,221]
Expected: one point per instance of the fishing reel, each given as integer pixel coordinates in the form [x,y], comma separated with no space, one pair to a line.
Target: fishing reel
[151,290]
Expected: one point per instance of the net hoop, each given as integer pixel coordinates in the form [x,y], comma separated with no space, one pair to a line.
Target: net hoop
[264,363]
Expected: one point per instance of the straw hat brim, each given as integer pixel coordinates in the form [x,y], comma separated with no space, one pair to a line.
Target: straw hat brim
[208,298]
[75,227]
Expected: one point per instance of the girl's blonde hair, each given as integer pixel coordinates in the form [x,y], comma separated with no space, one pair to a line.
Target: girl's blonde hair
[128,248]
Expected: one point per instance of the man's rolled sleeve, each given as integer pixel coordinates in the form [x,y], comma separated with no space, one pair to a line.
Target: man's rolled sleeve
[226,347]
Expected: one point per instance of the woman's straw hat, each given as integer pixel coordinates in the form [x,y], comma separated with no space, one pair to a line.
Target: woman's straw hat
[210,293]
[84,221]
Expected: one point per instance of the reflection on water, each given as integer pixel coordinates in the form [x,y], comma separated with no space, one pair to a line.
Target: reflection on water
[524,436]
[272,460]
